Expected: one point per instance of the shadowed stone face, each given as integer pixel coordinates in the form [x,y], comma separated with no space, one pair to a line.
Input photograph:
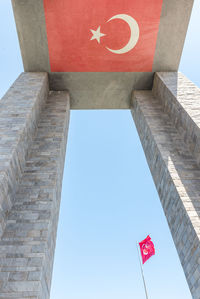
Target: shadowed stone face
[19,113]
[35,127]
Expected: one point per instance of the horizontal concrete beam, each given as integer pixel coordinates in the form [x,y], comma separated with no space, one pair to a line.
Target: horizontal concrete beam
[97,90]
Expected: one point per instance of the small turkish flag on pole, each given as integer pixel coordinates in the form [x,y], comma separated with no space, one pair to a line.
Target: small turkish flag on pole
[147,249]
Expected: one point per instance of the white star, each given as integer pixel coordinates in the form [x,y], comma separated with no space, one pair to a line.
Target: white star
[97,34]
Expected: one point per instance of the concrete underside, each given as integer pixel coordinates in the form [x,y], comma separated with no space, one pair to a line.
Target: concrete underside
[111,90]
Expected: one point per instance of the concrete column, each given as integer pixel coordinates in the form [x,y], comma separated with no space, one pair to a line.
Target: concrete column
[167,120]
[29,234]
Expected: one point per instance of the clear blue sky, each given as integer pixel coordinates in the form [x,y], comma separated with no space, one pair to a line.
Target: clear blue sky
[109,200]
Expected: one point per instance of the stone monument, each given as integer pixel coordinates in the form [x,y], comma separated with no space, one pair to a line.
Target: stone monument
[94,55]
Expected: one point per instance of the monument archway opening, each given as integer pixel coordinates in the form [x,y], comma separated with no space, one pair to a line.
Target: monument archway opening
[108,203]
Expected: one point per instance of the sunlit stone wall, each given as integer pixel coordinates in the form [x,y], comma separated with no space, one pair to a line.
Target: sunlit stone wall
[167,121]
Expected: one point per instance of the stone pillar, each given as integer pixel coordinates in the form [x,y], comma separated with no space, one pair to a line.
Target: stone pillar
[168,123]
[35,124]
[19,113]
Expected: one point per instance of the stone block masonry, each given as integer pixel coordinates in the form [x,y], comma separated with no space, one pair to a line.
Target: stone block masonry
[181,101]
[28,240]
[168,127]
[34,126]
[19,113]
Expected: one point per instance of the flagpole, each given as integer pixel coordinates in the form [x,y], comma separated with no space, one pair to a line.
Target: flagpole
[145,288]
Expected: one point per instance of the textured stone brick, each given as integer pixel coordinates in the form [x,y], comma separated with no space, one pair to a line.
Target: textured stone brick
[32,152]
[28,241]
[181,100]
[175,171]
[17,276]
[19,113]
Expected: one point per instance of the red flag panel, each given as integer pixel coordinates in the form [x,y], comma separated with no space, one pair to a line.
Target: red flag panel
[147,249]
[102,35]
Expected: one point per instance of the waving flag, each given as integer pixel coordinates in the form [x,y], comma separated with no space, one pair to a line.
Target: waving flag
[102,35]
[147,249]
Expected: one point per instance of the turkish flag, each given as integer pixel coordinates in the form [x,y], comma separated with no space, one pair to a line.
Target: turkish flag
[102,35]
[147,249]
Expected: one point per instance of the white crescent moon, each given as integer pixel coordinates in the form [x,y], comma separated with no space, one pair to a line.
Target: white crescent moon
[135,33]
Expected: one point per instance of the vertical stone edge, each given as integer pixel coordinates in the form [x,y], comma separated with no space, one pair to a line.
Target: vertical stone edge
[48,269]
[181,101]
[19,113]
[28,242]
[180,208]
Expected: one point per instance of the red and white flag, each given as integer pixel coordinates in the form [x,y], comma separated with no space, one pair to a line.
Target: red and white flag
[102,35]
[147,249]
